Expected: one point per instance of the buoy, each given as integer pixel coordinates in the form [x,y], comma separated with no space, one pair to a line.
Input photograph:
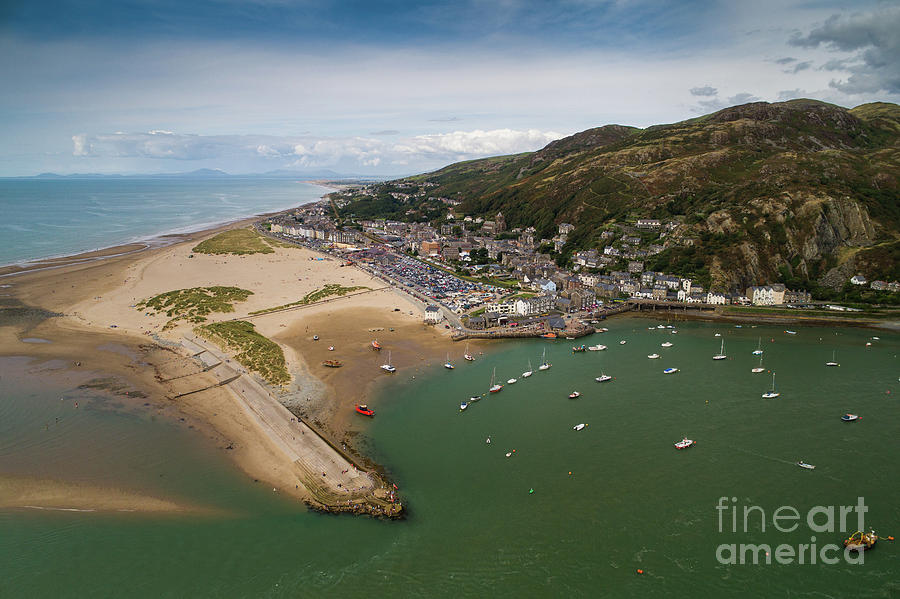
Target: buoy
[639,571]
[530,491]
[570,473]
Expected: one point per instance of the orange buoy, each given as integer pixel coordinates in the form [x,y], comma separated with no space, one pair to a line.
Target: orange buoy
[639,571]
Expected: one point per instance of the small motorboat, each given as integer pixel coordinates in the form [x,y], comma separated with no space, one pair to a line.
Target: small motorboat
[330,348]
[315,337]
[622,342]
[474,398]
[550,335]
[511,381]
[684,443]
[868,344]
[579,348]
[603,378]
[860,541]
[666,344]
[596,347]
[660,326]
[363,409]
[849,417]
[717,335]
[332,363]
[803,464]
[488,440]
[670,371]
[375,345]
[653,356]
[574,395]
[791,332]
[578,427]
[463,405]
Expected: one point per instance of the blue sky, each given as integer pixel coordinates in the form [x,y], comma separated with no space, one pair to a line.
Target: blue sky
[401,87]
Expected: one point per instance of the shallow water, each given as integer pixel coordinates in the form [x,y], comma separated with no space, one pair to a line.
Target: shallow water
[474,528]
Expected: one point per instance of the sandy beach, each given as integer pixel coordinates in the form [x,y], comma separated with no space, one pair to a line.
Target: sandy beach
[84,305]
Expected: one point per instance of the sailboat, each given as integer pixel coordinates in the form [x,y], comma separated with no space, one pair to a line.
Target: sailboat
[721,355]
[758,351]
[495,387]
[469,357]
[528,372]
[544,363]
[758,368]
[832,363]
[448,364]
[511,381]
[773,393]
[388,367]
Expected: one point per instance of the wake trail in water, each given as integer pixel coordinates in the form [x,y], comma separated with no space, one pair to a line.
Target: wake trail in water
[766,457]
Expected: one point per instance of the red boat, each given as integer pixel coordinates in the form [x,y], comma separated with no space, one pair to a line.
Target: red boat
[375,345]
[364,409]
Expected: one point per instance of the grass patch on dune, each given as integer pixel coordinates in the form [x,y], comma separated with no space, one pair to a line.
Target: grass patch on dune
[236,241]
[194,304]
[252,350]
[314,296]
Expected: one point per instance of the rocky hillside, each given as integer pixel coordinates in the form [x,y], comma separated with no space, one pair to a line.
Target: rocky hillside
[803,192]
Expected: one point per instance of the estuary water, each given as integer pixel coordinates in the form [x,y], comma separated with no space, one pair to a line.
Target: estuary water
[49,217]
[569,513]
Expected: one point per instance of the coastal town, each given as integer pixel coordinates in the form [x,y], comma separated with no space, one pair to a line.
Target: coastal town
[479,274]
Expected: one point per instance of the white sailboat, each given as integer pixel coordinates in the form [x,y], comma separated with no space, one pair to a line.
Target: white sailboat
[388,367]
[773,393]
[511,381]
[528,372]
[448,364]
[833,362]
[721,355]
[495,387]
[544,363]
[758,351]
[759,368]
[469,357]
[666,344]
[653,356]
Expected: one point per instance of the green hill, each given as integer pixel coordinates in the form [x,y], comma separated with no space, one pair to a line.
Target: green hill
[802,192]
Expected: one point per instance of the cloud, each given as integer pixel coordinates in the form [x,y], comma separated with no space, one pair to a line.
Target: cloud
[785,60]
[791,94]
[800,66]
[706,90]
[353,152]
[742,98]
[873,45]
[445,119]
[385,132]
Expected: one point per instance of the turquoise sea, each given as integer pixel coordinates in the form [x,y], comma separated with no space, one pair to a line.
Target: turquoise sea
[49,217]
[607,501]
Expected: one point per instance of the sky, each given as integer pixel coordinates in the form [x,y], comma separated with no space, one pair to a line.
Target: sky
[387,88]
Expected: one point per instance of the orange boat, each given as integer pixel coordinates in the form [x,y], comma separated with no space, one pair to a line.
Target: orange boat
[332,363]
[549,336]
[375,345]
[364,410]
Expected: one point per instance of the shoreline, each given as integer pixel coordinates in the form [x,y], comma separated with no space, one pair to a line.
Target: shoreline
[78,301]
[149,241]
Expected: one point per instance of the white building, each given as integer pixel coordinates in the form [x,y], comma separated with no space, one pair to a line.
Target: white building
[433,314]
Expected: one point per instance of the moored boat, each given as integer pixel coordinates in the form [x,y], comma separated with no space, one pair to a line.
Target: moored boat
[759,368]
[603,378]
[550,335]
[759,350]
[596,347]
[495,387]
[375,345]
[721,355]
[389,367]
[511,381]
[670,371]
[332,363]
[574,395]
[666,344]
[622,342]
[578,427]
[579,348]
[528,372]
[803,464]
[467,356]
[544,363]
[850,417]
[448,364]
[773,393]
[860,541]
[684,443]
[463,405]
[363,409]
[833,361]
[653,356]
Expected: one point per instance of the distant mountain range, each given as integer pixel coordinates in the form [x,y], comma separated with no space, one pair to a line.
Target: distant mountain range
[801,192]
[206,173]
